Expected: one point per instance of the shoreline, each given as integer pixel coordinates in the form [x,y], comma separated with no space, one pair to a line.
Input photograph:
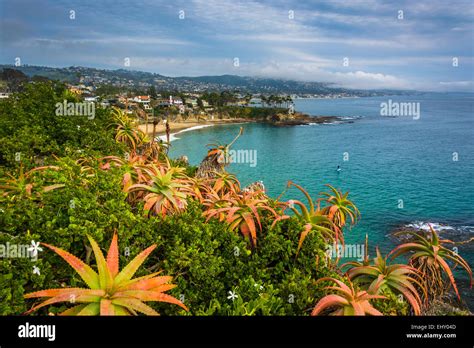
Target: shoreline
[179,127]
[297,120]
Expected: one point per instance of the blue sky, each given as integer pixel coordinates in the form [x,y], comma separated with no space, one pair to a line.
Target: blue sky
[284,39]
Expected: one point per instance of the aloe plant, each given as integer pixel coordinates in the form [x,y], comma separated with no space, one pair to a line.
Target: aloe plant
[313,218]
[241,211]
[110,292]
[399,278]
[22,184]
[133,166]
[197,188]
[216,160]
[339,208]
[222,151]
[165,193]
[430,257]
[348,300]
[226,182]
[126,130]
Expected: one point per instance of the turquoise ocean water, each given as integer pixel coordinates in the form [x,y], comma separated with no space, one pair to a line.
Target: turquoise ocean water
[399,170]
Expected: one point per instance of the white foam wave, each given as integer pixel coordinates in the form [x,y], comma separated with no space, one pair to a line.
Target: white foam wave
[350,117]
[173,136]
[425,226]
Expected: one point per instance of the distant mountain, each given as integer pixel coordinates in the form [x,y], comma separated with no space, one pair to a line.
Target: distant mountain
[131,79]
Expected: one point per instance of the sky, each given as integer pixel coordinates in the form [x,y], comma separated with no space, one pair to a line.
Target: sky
[368,44]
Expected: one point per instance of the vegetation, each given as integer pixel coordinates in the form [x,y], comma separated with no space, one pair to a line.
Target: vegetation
[431,257]
[349,301]
[398,278]
[72,181]
[110,292]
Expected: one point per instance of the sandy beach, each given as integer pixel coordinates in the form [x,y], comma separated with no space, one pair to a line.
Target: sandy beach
[175,127]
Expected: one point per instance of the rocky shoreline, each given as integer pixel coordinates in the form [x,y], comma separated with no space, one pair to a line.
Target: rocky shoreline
[279,120]
[300,119]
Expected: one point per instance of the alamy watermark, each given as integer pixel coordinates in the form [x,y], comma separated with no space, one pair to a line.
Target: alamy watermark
[339,251]
[21,251]
[28,330]
[239,156]
[76,109]
[392,108]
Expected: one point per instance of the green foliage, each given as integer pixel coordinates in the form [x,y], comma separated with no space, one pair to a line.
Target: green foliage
[394,304]
[29,126]
[208,262]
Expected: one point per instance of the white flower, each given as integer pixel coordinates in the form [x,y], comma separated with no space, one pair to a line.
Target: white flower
[232,295]
[36,270]
[34,248]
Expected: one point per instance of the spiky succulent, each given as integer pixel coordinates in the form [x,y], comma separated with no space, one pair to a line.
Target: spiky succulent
[430,257]
[313,218]
[110,292]
[23,183]
[339,208]
[398,278]
[165,193]
[348,301]
[241,211]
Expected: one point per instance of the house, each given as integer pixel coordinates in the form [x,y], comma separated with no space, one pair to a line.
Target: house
[192,101]
[105,103]
[4,95]
[91,99]
[255,100]
[75,90]
[143,100]
[237,103]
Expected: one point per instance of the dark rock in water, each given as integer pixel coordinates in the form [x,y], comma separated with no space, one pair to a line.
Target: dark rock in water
[446,307]
[255,187]
[210,167]
[183,159]
[299,119]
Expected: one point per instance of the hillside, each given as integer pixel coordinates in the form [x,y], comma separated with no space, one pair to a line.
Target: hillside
[141,80]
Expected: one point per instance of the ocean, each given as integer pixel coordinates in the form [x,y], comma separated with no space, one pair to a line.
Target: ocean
[400,171]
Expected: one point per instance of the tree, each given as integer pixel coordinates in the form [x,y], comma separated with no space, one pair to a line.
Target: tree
[14,79]
[152,92]
[200,103]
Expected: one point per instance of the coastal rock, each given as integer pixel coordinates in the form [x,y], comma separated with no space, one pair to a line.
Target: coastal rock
[446,307]
[255,187]
[298,119]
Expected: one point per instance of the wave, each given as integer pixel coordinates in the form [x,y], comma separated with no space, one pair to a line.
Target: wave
[173,136]
[341,120]
[446,229]
[346,118]
[323,123]
[425,226]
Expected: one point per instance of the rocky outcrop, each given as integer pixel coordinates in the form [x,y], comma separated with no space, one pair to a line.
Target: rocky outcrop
[297,119]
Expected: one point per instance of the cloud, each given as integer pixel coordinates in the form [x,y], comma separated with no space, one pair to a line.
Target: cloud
[456,86]
[384,52]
